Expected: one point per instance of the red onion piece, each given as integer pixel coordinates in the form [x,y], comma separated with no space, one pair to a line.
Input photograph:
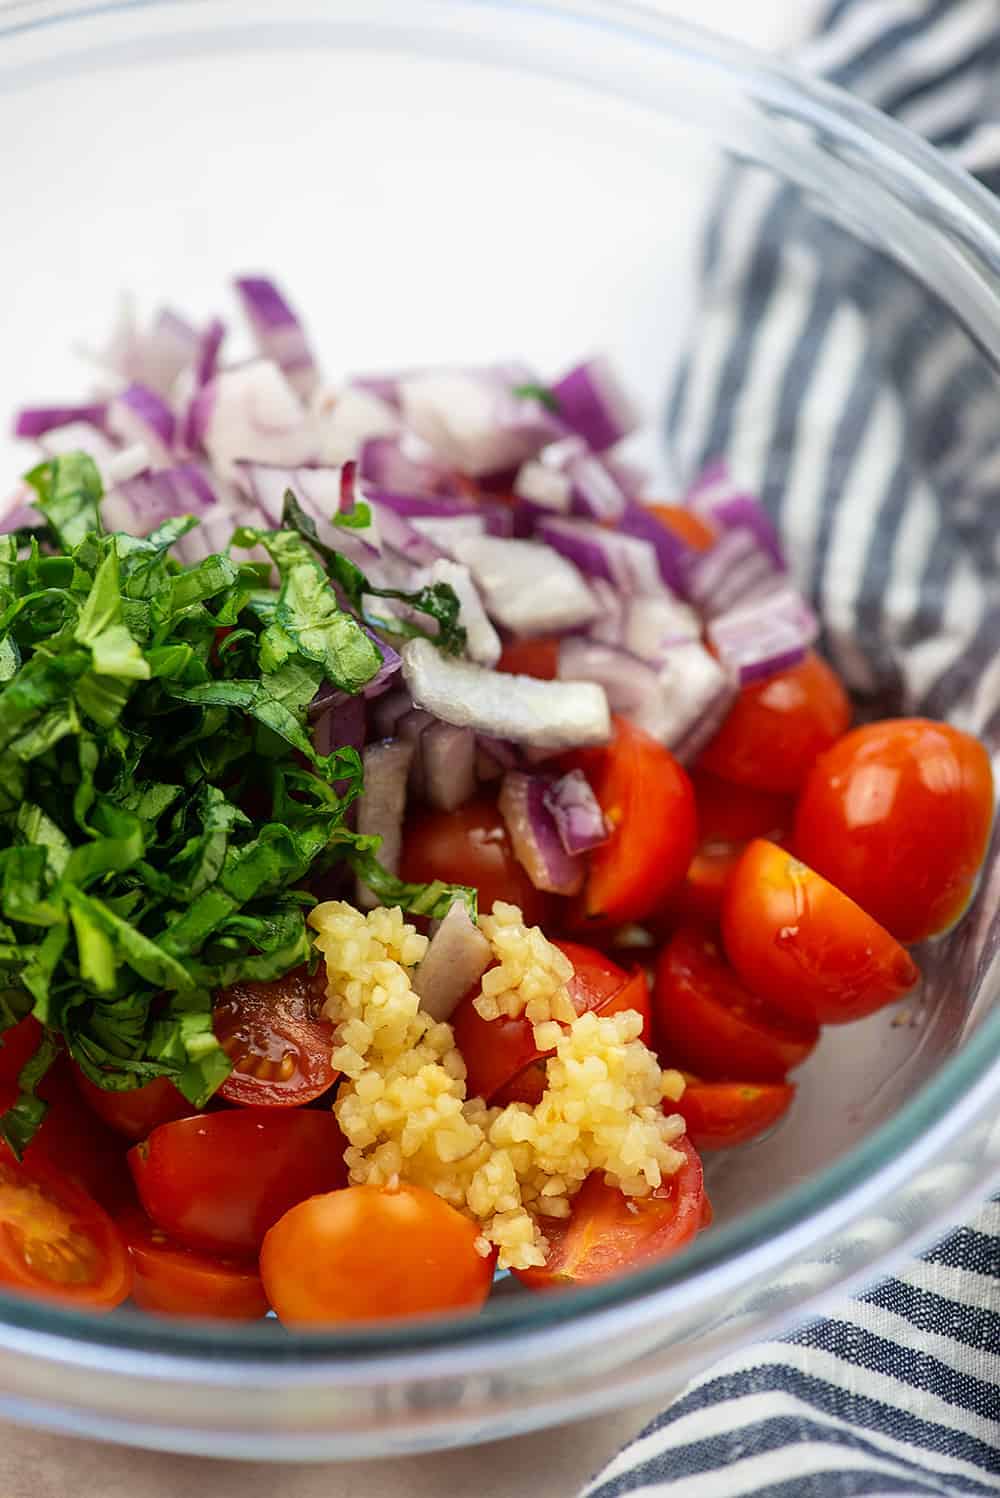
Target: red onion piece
[721,502]
[482,643]
[527,587]
[579,819]
[139,505]
[595,492]
[387,711]
[318,490]
[341,724]
[402,537]
[449,765]
[533,835]
[673,555]
[652,626]
[410,729]
[453,964]
[765,635]
[404,464]
[139,414]
[35,421]
[625,561]
[473,420]
[732,572]
[545,487]
[382,805]
[253,414]
[278,332]
[592,401]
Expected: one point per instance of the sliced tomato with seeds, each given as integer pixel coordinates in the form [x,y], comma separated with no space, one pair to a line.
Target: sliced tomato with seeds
[607,1234]
[277,1040]
[56,1242]
[721,1114]
[218,1181]
[173,1280]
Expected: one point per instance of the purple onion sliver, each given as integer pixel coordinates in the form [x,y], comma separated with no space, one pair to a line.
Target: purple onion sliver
[592,401]
[595,493]
[533,835]
[139,414]
[673,555]
[579,819]
[209,346]
[449,764]
[767,635]
[278,332]
[341,726]
[35,421]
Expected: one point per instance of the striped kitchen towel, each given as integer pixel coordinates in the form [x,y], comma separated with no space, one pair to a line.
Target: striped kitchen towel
[870,425]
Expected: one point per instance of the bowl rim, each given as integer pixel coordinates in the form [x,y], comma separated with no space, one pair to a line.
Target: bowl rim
[954,1100]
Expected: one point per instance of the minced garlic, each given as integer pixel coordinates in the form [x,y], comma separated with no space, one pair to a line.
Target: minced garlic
[403,1106]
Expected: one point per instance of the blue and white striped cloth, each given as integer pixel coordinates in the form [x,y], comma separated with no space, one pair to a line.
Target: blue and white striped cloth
[871,427]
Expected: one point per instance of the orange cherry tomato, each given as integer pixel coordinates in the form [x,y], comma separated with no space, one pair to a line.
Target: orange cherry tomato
[369,1253]
[218,1181]
[275,1037]
[18,1045]
[538,657]
[685,524]
[721,1114]
[135,1113]
[806,947]
[177,1281]
[55,1241]
[897,814]
[607,1234]
[646,797]
[503,1063]
[471,846]
[728,816]
[777,727]
[708,1022]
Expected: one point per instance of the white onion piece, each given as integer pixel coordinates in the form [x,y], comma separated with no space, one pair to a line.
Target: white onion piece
[410,729]
[473,420]
[382,805]
[527,586]
[548,714]
[653,626]
[449,765]
[697,693]
[456,959]
[534,837]
[445,531]
[544,485]
[482,643]
[128,463]
[346,419]
[253,413]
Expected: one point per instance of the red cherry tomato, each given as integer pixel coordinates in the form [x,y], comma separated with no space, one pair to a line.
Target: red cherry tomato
[273,1034]
[55,1241]
[471,846]
[777,727]
[647,798]
[18,1045]
[218,1181]
[608,1234]
[135,1113]
[897,814]
[538,657]
[686,525]
[503,1063]
[73,1142]
[721,1114]
[368,1253]
[708,1022]
[728,816]
[802,944]
[177,1281]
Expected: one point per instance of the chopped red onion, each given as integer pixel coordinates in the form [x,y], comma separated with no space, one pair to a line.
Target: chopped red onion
[456,959]
[209,347]
[595,492]
[631,478]
[404,464]
[384,387]
[527,587]
[339,725]
[398,533]
[449,765]
[139,505]
[673,555]
[593,402]
[348,420]
[630,684]
[612,606]
[579,820]
[718,500]
[382,805]
[17,510]
[625,561]
[35,421]
[215,533]
[139,414]
[410,729]
[549,714]
[730,573]
[253,413]
[533,835]
[80,437]
[482,643]
[652,626]
[494,756]
[387,711]
[444,530]
[318,490]
[767,634]
[697,694]
[473,419]
[278,332]
[544,486]
[127,463]
[170,347]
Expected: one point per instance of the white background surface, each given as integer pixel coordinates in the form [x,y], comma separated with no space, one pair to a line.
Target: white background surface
[550,1465]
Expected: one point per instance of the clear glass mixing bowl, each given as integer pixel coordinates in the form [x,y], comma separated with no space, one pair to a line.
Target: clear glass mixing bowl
[468,179]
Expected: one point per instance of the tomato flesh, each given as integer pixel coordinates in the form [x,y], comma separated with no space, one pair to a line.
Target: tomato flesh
[685,524]
[778,726]
[538,657]
[897,814]
[279,1045]
[708,1022]
[804,946]
[218,1181]
[471,846]
[135,1113]
[369,1253]
[608,1234]
[169,1279]
[56,1241]
[721,1114]
[729,815]
[17,1045]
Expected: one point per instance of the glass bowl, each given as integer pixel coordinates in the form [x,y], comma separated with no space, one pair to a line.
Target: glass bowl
[470,179]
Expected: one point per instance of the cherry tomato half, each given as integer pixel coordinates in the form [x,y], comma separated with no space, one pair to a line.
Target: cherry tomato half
[777,727]
[273,1034]
[135,1113]
[538,657]
[178,1281]
[647,798]
[218,1181]
[56,1242]
[471,846]
[721,1114]
[368,1253]
[75,1142]
[18,1045]
[806,947]
[503,1063]
[728,816]
[708,1022]
[608,1234]
[897,814]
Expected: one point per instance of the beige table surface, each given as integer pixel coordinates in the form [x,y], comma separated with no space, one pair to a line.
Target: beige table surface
[553,1464]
